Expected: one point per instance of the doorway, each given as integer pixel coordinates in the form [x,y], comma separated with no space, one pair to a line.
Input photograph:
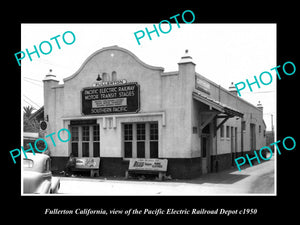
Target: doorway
[205,153]
[232,145]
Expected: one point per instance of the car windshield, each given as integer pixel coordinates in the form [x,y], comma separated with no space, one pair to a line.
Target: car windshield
[27,163]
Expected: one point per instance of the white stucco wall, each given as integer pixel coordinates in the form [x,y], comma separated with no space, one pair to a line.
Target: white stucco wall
[165,97]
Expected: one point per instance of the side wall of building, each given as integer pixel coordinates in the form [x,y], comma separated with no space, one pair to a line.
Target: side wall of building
[236,135]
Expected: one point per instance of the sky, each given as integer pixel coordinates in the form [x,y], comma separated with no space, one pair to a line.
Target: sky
[223,53]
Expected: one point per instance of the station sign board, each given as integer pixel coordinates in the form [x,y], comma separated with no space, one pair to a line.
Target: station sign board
[202,85]
[124,98]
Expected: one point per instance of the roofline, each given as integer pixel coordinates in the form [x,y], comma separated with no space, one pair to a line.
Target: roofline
[227,91]
[114,47]
[170,73]
[216,104]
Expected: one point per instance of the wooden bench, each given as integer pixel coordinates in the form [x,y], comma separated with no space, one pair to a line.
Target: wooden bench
[88,163]
[147,166]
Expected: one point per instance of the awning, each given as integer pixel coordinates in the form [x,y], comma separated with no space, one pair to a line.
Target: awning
[222,108]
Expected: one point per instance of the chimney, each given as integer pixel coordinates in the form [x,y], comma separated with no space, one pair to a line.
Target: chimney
[186,79]
[232,89]
[49,81]
[186,58]
[50,76]
[186,66]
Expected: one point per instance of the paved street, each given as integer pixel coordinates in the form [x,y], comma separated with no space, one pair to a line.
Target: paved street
[258,179]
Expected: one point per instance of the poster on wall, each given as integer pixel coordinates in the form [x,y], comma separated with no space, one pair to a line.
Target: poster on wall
[111,99]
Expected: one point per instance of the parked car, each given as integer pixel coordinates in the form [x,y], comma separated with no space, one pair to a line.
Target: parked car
[37,176]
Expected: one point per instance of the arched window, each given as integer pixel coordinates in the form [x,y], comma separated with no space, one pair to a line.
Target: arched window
[105,76]
[114,76]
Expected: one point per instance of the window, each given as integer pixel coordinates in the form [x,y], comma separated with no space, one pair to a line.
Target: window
[85,133]
[85,140]
[227,132]
[128,140]
[105,77]
[96,141]
[141,140]
[74,142]
[243,125]
[222,131]
[74,133]
[114,76]
[153,140]
[96,133]
[259,129]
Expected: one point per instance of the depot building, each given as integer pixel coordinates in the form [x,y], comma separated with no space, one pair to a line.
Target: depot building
[117,107]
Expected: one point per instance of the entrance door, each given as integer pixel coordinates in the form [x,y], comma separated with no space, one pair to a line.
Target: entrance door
[232,147]
[205,153]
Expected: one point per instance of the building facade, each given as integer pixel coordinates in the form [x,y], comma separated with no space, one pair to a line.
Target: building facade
[117,107]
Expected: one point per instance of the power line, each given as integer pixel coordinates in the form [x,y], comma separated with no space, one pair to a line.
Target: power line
[30,104]
[33,83]
[32,101]
[32,79]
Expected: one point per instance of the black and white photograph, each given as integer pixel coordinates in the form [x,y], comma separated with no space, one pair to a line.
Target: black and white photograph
[141,116]
[132,112]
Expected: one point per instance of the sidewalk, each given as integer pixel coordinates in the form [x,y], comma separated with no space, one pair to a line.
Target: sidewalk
[258,179]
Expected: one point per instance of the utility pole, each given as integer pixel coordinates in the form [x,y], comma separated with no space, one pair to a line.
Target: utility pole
[272,123]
